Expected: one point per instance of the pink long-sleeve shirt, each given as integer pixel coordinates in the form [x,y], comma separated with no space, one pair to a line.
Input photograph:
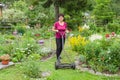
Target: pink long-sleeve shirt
[61,29]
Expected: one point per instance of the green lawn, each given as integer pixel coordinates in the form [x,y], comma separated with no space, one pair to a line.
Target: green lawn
[16,72]
[69,74]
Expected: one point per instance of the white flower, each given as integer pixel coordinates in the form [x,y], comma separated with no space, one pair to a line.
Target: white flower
[22,51]
[17,48]
[71,35]
[28,44]
[28,27]
[118,36]
[45,50]
[26,48]
[108,51]
[95,37]
[29,50]
[86,26]
[31,45]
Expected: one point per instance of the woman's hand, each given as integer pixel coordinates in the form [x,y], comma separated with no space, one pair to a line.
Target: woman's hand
[67,31]
[55,30]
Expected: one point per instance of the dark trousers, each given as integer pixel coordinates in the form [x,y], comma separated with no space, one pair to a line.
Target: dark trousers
[59,46]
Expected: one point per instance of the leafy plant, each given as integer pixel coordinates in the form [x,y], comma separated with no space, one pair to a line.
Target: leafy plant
[115,53]
[103,55]
[18,56]
[13,15]
[103,13]
[21,28]
[92,50]
[112,68]
[23,48]
[32,68]
[82,58]
[34,56]
[114,26]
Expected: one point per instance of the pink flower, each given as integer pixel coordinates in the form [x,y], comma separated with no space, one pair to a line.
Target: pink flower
[15,32]
[113,33]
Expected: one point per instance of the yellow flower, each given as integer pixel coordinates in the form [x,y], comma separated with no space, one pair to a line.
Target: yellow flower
[80,29]
[77,41]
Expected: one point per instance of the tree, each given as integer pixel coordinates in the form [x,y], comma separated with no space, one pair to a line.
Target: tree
[73,8]
[37,14]
[68,5]
[56,4]
[115,6]
[103,13]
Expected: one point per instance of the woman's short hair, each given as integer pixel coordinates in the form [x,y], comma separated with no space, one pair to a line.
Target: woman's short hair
[61,15]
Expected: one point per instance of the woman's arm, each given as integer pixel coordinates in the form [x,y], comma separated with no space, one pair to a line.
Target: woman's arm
[53,29]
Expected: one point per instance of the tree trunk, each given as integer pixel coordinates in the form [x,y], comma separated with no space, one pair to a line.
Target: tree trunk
[56,12]
[0,11]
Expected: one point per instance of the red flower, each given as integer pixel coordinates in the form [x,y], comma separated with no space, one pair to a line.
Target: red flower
[37,35]
[107,35]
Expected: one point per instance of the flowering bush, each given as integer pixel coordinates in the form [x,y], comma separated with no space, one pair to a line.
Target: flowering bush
[77,43]
[21,47]
[112,35]
[84,30]
[103,55]
[24,51]
[12,15]
[80,29]
[100,53]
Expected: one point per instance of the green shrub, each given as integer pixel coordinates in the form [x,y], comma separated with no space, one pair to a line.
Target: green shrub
[13,15]
[86,33]
[114,27]
[6,48]
[103,55]
[12,37]
[21,28]
[18,56]
[92,50]
[34,56]
[44,33]
[114,54]
[32,68]
[112,68]
[82,58]
[93,27]
[23,48]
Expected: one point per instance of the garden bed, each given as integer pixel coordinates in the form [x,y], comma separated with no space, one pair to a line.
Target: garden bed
[46,57]
[83,67]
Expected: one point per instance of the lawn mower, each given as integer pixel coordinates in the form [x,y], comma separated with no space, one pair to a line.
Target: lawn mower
[60,65]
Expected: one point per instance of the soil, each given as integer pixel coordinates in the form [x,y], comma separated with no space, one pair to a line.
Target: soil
[49,56]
